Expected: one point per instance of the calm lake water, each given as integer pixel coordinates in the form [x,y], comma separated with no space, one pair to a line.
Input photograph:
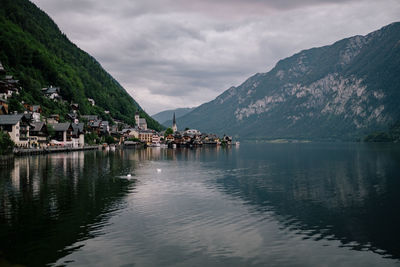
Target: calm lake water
[253,205]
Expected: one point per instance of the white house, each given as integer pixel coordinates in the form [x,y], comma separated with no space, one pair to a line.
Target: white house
[91,101]
[155,139]
[17,126]
[52,92]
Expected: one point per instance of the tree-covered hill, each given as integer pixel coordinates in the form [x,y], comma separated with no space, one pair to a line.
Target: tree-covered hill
[38,54]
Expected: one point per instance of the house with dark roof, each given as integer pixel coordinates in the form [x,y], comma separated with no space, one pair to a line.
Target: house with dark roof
[38,134]
[52,93]
[94,126]
[17,126]
[104,127]
[8,87]
[73,117]
[35,110]
[78,134]
[62,131]
[74,107]
[90,118]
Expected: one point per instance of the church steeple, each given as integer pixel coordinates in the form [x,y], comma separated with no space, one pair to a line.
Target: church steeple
[137,117]
[174,127]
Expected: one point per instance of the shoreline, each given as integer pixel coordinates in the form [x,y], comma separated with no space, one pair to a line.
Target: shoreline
[37,151]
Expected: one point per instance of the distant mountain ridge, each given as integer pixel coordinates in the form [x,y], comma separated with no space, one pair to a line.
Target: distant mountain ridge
[340,91]
[36,52]
[164,117]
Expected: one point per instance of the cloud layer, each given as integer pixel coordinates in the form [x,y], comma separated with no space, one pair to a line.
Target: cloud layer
[182,53]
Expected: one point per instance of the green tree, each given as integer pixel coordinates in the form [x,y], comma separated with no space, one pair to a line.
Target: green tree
[168,132]
[134,139]
[15,105]
[6,144]
[51,131]
[92,138]
[109,139]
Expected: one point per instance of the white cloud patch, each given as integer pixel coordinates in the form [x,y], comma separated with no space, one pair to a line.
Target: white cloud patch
[170,54]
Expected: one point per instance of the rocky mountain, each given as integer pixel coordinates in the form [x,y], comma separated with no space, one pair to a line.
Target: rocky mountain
[38,54]
[341,91]
[165,117]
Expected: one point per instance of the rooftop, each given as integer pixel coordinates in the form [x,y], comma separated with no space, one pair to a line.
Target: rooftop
[10,119]
[90,117]
[37,126]
[61,127]
[77,127]
[51,90]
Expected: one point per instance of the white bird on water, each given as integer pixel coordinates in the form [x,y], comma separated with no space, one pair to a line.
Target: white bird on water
[129,175]
[158,170]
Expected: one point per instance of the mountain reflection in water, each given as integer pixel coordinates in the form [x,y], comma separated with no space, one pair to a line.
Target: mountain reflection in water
[253,205]
[50,202]
[345,192]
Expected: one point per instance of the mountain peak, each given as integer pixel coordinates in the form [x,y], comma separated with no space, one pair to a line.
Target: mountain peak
[339,91]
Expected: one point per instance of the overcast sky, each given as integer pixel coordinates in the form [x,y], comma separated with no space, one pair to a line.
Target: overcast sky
[182,53]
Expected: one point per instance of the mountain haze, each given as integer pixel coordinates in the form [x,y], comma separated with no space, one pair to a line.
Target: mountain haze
[340,91]
[165,117]
[36,52]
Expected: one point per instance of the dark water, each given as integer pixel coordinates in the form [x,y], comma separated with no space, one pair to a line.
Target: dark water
[255,205]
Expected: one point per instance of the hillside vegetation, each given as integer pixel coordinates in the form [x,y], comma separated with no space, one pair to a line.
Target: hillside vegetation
[38,54]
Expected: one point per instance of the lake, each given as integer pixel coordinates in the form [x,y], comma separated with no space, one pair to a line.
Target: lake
[253,205]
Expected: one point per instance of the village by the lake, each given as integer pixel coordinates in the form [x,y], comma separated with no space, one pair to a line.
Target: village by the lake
[120,124]
[31,132]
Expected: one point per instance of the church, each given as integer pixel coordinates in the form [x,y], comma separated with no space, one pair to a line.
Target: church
[141,123]
[174,127]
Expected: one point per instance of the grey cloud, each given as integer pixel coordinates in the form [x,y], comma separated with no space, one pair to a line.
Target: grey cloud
[170,54]
[128,8]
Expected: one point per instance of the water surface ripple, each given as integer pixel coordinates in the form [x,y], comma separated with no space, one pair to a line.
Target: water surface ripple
[253,205]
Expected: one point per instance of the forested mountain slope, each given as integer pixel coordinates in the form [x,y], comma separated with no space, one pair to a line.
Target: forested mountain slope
[38,54]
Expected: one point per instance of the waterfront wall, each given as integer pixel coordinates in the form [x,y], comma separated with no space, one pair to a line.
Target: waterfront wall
[36,151]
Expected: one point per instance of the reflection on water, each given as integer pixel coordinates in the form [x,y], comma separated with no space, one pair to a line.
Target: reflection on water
[348,192]
[49,202]
[257,205]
